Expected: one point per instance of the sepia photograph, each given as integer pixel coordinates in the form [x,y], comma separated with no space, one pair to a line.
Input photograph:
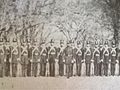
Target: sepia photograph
[59,44]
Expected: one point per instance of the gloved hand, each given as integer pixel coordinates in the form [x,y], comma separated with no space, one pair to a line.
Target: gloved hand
[117,61]
[92,61]
[31,60]
[101,60]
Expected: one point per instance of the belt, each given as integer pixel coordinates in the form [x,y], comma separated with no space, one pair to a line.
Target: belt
[106,54]
[97,55]
[114,55]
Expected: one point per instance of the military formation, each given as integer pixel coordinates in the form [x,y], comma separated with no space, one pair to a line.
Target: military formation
[33,60]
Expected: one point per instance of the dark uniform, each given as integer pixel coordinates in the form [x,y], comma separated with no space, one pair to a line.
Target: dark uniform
[43,59]
[96,58]
[2,57]
[35,59]
[7,58]
[106,58]
[24,59]
[88,58]
[79,57]
[52,54]
[113,57]
[15,56]
[61,58]
[68,53]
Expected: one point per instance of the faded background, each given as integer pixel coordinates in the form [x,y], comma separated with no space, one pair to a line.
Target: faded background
[60,19]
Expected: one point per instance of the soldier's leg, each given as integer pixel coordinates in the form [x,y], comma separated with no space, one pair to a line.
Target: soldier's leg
[42,72]
[61,68]
[98,69]
[78,69]
[35,70]
[89,66]
[44,69]
[67,70]
[13,69]
[114,69]
[50,69]
[86,69]
[111,69]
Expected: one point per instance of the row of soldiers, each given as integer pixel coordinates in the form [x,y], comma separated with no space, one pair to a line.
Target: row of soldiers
[40,60]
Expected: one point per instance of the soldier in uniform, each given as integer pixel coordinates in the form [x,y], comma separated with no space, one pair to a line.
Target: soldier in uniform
[96,58]
[52,54]
[68,53]
[15,56]
[43,59]
[79,57]
[61,58]
[7,58]
[35,58]
[29,67]
[24,58]
[113,57]
[101,49]
[88,58]
[2,57]
[106,58]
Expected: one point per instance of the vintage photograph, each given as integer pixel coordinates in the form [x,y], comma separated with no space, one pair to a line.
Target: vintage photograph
[59,44]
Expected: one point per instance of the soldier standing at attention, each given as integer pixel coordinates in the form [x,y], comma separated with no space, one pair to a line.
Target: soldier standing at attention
[15,56]
[68,53]
[61,58]
[43,59]
[52,54]
[101,49]
[79,57]
[7,58]
[29,71]
[96,58]
[88,58]
[24,58]
[106,58]
[2,57]
[35,58]
[114,57]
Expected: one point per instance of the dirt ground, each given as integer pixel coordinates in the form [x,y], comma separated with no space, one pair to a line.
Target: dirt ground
[60,83]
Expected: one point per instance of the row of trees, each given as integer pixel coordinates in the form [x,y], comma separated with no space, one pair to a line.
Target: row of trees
[72,19]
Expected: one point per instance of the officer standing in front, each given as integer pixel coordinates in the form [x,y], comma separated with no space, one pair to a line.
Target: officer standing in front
[68,55]
[61,58]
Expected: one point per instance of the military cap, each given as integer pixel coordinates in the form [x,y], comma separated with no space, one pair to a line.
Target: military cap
[78,42]
[14,39]
[51,41]
[106,42]
[96,42]
[88,42]
[113,42]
